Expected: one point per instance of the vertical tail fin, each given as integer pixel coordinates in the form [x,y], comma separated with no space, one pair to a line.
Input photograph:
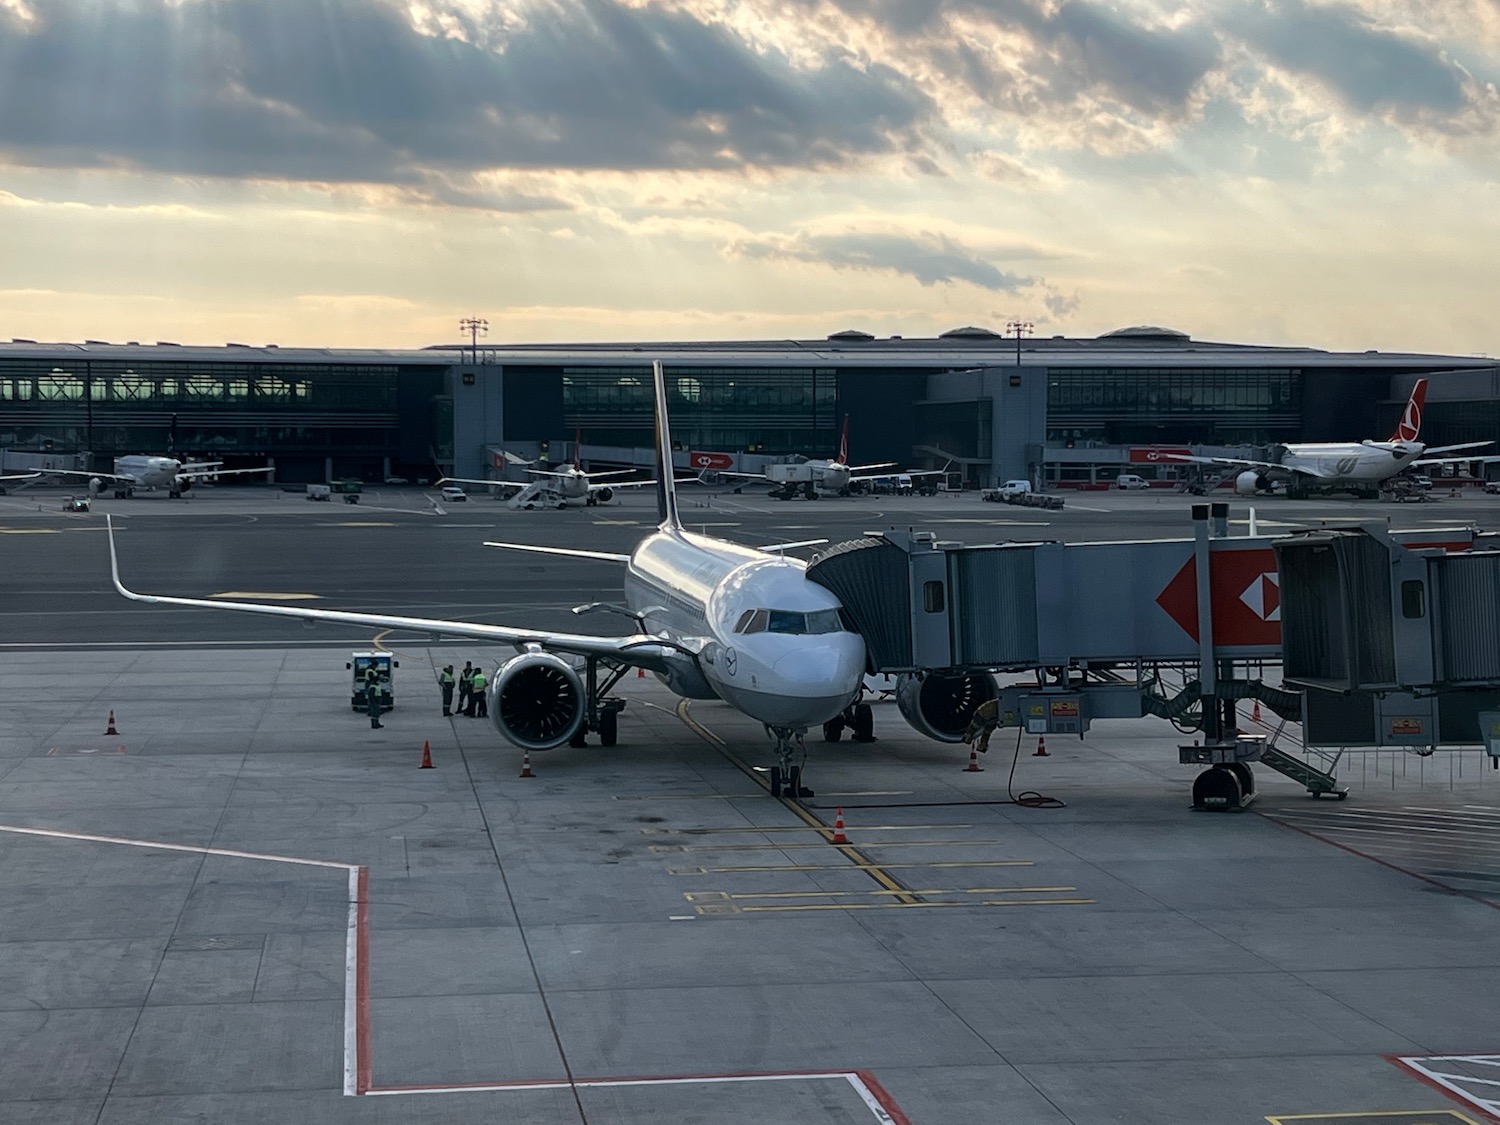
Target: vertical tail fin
[1411,421]
[578,448]
[666,484]
[844,443]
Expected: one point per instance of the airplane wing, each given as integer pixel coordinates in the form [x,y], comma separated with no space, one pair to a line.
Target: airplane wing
[877,465]
[638,649]
[512,484]
[1243,461]
[567,552]
[126,477]
[200,473]
[1456,460]
[23,476]
[622,484]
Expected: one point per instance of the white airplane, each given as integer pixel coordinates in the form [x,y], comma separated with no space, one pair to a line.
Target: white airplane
[815,478]
[1359,467]
[555,488]
[713,620]
[139,471]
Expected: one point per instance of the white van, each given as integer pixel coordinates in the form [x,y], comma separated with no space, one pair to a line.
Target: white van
[1131,481]
[453,494]
[1015,487]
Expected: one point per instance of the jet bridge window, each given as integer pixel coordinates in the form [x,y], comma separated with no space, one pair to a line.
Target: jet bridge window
[1413,599]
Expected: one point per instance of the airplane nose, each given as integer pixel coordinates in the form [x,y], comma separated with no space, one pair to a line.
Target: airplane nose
[822,667]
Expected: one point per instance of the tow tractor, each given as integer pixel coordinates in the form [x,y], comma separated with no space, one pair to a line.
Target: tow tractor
[361,663]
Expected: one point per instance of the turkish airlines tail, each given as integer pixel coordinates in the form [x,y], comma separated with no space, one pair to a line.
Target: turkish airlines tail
[1411,421]
[844,443]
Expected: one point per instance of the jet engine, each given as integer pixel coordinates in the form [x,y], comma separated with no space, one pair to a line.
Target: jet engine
[604,495]
[1250,482]
[536,700]
[940,704]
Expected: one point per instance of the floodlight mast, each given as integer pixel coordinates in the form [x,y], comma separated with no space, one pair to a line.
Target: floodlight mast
[1019,328]
[475,326]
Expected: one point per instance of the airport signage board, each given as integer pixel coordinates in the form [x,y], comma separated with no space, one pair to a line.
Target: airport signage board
[702,460]
[1158,454]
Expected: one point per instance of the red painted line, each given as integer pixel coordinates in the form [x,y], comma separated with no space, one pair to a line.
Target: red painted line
[1400,1063]
[362,983]
[1383,863]
[882,1095]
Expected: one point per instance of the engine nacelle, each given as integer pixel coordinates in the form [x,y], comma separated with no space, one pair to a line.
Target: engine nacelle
[940,704]
[536,700]
[604,495]
[1250,482]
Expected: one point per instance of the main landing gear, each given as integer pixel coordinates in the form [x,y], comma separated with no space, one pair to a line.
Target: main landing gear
[786,779]
[601,713]
[858,718]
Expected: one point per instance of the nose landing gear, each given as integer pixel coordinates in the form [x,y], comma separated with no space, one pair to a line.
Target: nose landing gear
[786,779]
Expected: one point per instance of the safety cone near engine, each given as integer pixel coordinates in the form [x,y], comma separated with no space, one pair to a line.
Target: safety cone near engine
[640,673]
[111,728]
[973,766]
[1255,712]
[526,764]
[426,755]
[838,829]
[1041,747]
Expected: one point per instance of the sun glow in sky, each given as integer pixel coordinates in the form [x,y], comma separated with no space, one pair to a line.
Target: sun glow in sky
[363,173]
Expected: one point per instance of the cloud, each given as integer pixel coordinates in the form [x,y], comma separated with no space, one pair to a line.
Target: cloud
[1369,68]
[352,91]
[930,259]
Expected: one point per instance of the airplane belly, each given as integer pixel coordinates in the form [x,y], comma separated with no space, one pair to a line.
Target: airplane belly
[780,710]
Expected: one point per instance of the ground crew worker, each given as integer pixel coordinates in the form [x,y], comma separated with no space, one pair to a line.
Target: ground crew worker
[982,725]
[372,697]
[445,682]
[465,689]
[479,706]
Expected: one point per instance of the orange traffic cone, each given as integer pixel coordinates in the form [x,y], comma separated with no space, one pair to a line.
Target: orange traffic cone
[1041,747]
[973,766]
[838,829]
[640,673]
[1255,713]
[526,764]
[426,755]
[111,728]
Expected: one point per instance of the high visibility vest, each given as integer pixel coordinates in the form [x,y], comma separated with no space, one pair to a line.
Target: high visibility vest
[479,680]
[445,677]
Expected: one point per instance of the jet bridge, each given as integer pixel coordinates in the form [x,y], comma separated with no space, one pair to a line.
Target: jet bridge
[1098,623]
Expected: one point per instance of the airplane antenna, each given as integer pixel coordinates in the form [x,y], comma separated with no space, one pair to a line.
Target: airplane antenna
[666,485]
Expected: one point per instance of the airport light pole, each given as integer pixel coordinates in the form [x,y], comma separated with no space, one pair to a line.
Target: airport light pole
[475,326]
[1019,328]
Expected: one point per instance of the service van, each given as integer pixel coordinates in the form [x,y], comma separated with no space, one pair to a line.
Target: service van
[1015,487]
[1131,481]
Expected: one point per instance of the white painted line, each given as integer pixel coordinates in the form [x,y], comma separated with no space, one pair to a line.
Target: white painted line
[351,978]
[157,844]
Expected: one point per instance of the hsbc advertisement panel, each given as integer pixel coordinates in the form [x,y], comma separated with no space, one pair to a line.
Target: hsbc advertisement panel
[1129,601]
[702,459]
[1158,454]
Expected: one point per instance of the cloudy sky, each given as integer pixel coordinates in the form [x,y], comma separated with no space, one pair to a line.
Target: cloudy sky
[367,172]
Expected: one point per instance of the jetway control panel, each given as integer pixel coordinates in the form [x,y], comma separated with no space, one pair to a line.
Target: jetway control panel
[923,603]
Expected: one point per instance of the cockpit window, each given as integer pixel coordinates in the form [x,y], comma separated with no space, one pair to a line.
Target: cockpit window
[789,622]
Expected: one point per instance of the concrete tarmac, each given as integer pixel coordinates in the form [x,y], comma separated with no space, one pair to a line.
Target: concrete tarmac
[247,905]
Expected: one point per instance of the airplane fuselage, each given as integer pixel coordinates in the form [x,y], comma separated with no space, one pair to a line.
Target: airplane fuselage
[149,472]
[825,476]
[769,641]
[1335,463]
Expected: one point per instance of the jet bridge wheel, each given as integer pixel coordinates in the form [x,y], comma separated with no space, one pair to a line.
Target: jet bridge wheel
[1218,789]
[864,723]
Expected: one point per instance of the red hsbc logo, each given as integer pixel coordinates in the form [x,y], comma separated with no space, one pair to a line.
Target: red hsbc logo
[711,460]
[1244,592]
[1159,455]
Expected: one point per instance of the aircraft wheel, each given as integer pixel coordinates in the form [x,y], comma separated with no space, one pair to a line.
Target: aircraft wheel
[864,723]
[609,728]
[833,730]
[580,738]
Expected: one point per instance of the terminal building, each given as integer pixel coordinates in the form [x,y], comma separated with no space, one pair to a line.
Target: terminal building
[1064,409]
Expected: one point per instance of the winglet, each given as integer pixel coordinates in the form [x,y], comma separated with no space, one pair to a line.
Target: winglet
[666,493]
[1411,419]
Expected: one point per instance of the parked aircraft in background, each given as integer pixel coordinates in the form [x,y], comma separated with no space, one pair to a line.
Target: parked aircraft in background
[1359,467]
[137,471]
[713,620]
[554,488]
[815,478]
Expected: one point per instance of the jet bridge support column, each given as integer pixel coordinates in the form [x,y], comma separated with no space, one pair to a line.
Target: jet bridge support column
[1228,782]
